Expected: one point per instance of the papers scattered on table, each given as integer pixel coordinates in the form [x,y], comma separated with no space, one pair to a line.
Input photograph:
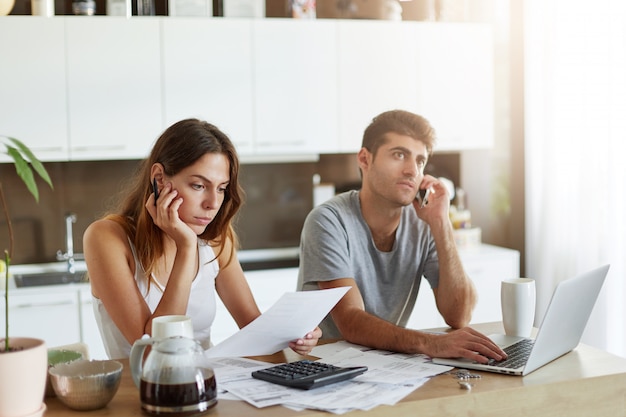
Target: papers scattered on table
[290,318]
[390,377]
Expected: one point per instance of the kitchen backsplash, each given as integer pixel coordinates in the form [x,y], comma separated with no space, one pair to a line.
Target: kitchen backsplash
[278,198]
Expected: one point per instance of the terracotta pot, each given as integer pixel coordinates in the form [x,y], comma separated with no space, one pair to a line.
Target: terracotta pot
[23,377]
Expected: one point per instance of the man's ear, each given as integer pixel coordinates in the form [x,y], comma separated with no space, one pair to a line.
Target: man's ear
[364,158]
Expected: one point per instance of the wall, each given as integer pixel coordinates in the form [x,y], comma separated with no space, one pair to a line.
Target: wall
[278,197]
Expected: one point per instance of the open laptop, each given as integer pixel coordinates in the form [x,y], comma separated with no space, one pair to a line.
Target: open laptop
[559,333]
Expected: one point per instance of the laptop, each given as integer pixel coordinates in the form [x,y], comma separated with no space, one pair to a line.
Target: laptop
[559,333]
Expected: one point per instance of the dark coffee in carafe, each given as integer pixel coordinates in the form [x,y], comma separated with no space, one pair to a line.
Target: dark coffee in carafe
[180,398]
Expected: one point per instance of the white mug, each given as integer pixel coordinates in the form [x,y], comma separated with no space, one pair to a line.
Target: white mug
[517,297]
[172,325]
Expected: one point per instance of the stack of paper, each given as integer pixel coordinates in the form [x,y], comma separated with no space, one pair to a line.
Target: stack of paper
[390,377]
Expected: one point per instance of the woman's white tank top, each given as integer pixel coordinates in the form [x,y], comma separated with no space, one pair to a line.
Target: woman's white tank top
[201,306]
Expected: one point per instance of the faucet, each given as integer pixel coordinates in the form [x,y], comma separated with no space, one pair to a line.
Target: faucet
[68,256]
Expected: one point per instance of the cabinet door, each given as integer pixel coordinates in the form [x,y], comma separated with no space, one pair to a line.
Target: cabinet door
[425,314]
[114,84]
[90,334]
[377,72]
[487,266]
[207,74]
[456,83]
[32,85]
[295,86]
[52,317]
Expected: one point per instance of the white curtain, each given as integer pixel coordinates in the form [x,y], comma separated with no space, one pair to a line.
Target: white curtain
[575,136]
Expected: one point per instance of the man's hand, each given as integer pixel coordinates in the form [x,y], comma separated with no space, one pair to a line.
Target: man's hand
[463,343]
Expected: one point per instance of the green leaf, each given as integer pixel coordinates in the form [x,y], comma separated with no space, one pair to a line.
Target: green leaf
[37,165]
[24,171]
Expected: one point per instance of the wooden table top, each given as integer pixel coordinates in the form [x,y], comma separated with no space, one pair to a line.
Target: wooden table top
[586,381]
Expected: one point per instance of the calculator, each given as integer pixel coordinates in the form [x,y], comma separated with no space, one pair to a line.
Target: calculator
[306,374]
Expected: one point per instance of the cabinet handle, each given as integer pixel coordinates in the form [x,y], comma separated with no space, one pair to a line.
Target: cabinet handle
[37,149]
[296,143]
[97,148]
[58,303]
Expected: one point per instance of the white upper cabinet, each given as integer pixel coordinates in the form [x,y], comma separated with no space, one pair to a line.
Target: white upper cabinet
[456,83]
[207,74]
[32,85]
[114,86]
[377,72]
[102,87]
[295,94]
[441,71]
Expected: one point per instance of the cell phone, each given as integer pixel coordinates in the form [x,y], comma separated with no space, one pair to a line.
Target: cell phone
[422,196]
[155,189]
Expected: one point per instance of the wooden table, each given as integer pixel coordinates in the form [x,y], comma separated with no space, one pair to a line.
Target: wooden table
[585,382]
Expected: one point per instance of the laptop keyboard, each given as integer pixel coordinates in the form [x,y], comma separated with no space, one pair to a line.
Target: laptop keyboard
[517,355]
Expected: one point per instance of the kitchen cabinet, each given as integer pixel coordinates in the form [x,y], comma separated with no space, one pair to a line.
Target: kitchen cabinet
[441,71]
[455,83]
[377,72]
[59,314]
[89,331]
[295,95]
[48,315]
[33,86]
[487,266]
[114,87]
[264,82]
[207,74]
[105,87]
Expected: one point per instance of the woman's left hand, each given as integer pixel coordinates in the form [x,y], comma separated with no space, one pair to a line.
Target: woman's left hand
[307,343]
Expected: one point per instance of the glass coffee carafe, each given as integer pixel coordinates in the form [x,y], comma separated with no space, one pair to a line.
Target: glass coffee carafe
[175,378]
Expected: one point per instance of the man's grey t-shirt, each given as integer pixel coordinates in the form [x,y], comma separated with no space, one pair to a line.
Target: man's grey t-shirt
[337,243]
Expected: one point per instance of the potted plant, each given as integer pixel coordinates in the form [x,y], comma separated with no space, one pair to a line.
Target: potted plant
[23,360]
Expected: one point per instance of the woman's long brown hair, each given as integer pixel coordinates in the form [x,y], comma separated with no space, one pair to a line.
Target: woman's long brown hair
[180,146]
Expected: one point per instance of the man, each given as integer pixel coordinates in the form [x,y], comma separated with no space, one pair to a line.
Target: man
[380,242]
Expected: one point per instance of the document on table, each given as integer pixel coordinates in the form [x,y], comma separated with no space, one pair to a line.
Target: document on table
[390,378]
[291,317]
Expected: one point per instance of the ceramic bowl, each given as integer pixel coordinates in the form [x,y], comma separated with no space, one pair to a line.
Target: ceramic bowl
[55,357]
[84,384]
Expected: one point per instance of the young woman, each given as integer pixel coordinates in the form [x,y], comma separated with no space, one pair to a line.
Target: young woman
[171,245]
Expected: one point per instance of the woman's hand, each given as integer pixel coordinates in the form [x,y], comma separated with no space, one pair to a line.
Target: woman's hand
[165,215]
[307,343]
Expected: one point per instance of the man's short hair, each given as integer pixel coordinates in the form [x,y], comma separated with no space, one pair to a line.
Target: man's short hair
[401,122]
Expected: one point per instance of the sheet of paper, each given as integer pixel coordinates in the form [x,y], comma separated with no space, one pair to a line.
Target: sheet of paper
[390,377]
[387,369]
[291,317]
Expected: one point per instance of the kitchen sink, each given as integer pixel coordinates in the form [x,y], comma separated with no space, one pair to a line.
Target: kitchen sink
[48,278]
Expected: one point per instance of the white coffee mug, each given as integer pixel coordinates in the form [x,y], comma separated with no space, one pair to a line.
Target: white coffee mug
[517,297]
[172,325]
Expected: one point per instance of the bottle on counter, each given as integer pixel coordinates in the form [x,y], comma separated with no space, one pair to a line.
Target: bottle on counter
[119,8]
[145,8]
[190,8]
[459,215]
[84,7]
